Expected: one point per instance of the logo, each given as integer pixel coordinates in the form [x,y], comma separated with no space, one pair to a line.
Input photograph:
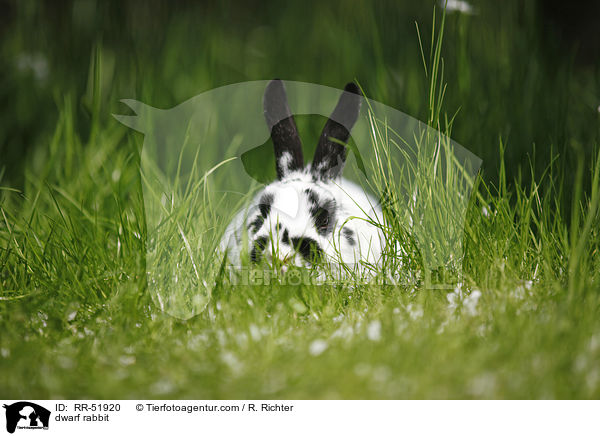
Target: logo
[205,161]
[26,415]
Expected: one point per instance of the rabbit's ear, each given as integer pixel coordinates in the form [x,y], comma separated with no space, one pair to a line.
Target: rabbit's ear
[287,143]
[330,155]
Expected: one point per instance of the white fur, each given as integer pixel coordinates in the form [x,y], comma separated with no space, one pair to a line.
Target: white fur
[285,160]
[291,209]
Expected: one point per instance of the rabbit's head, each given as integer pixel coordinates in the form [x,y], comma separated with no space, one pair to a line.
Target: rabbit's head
[303,215]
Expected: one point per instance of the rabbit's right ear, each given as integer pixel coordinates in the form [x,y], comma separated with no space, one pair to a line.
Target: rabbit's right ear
[330,155]
[284,133]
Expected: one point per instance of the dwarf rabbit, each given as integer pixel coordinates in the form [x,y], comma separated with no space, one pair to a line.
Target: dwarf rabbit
[310,213]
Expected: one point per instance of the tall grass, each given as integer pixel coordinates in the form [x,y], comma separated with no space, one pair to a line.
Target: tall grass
[76,302]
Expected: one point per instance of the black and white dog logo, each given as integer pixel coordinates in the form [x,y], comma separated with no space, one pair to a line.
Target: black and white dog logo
[26,415]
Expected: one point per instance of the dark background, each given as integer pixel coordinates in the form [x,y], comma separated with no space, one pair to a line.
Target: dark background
[523,73]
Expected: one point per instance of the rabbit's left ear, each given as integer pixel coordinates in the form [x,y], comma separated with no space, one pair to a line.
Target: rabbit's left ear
[330,155]
[286,140]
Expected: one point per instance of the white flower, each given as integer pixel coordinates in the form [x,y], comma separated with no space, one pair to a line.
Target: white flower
[457,6]
[345,332]
[35,63]
[255,332]
[470,303]
[374,330]
[414,312]
[127,360]
[317,347]
[454,297]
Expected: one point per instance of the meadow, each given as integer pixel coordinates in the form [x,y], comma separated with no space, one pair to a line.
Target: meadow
[77,317]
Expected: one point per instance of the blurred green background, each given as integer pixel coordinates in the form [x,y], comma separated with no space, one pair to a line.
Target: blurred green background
[523,72]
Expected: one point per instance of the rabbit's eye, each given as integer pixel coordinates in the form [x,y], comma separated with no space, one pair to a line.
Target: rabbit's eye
[322,212]
[322,220]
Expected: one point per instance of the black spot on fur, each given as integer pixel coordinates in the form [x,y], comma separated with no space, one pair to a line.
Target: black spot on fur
[313,198]
[286,237]
[256,224]
[259,246]
[349,235]
[308,248]
[322,212]
[264,205]
[323,216]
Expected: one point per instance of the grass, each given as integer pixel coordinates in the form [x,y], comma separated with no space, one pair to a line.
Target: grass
[79,318]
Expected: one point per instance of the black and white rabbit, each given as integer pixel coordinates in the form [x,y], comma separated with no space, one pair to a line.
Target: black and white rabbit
[310,213]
